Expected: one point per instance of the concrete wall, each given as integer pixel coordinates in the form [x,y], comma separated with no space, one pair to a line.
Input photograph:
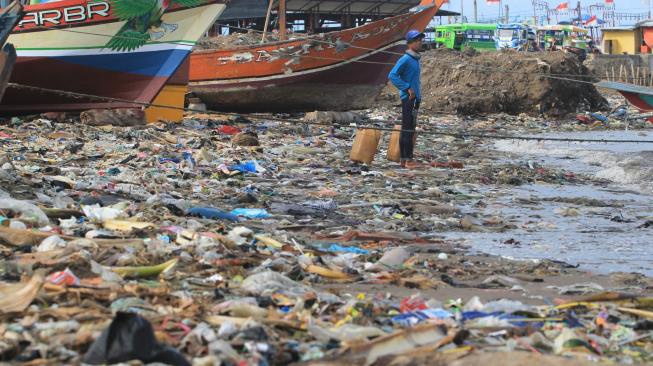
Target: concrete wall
[604,65]
[623,41]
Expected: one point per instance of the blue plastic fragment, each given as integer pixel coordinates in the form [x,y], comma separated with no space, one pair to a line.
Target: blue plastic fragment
[251,213]
[212,213]
[337,248]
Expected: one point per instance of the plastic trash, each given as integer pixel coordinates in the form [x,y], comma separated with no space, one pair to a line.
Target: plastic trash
[251,213]
[51,243]
[66,277]
[240,235]
[412,303]
[506,306]
[248,167]
[228,130]
[28,211]
[131,337]
[212,214]
[599,117]
[269,282]
[326,205]
[391,260]
[101,214]
[337,248]
[415,317]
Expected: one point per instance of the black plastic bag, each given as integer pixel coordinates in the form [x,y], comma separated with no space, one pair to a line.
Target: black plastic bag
[130,337]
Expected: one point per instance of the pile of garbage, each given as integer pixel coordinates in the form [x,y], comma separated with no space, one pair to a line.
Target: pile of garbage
[470,83]
[185,244]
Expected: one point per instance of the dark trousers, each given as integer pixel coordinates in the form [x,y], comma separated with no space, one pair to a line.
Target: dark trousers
[408,123]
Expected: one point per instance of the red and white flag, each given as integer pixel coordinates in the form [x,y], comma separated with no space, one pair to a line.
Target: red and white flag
[593,21]
[493,2]
[563,6]
[609,2]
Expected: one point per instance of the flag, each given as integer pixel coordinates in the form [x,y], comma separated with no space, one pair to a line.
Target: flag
[493,2]
[609,2]
[563,6]
[593,21]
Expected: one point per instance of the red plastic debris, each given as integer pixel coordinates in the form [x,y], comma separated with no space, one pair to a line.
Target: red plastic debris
[228,130]
[66,277]
[412,303]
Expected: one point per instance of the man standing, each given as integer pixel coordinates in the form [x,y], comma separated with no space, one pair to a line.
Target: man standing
[405,76]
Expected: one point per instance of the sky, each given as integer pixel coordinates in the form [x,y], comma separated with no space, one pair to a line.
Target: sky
[524,8]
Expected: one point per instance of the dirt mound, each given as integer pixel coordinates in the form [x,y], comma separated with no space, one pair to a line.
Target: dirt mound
[469,83]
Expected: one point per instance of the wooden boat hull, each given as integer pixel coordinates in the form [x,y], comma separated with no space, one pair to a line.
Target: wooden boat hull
[75,57]
[9,17]
[639,96]
[322,72]
[344,86]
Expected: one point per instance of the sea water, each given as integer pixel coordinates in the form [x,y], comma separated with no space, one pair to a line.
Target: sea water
[601,239]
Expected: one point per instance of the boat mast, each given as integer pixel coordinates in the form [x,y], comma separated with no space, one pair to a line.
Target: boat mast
[282,20]
[267,21]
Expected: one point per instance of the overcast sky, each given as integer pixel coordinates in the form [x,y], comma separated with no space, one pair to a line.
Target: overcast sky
[524,7]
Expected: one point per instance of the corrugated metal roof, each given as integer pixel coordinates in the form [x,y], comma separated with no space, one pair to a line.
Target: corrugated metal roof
[238,9]
[619,28]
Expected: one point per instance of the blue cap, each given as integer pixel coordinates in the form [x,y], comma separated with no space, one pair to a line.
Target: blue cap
[413,35]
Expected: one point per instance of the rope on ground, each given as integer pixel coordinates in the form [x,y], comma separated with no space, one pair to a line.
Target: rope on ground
[462,134]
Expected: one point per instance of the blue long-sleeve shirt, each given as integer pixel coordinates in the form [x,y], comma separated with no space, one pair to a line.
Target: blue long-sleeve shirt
[406,75]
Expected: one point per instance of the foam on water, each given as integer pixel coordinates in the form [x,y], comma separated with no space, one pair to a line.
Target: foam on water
[627,164]
[601,239]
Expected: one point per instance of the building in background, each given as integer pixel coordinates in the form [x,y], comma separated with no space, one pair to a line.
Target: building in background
[312,16]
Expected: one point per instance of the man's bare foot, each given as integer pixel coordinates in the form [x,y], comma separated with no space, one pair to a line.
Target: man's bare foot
[402,164]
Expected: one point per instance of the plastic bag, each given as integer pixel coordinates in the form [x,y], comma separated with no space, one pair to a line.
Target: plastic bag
[29,211]
[101,214]
[271,282]
[415,317]
[212,214]
[248,167]
[251,213]
[130,337]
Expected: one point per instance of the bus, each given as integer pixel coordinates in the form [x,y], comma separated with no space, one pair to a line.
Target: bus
[466,35]
[562,36]
[514,36]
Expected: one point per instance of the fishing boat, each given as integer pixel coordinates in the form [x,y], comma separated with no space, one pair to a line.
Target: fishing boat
[341,70]
[9,17]
[121,49]
[641,97]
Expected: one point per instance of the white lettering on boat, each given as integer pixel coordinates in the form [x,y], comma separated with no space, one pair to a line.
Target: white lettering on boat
[72,14]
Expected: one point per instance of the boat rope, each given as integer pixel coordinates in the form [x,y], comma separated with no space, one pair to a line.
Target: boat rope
[462,134]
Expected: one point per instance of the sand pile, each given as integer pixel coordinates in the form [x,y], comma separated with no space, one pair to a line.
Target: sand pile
[469,83]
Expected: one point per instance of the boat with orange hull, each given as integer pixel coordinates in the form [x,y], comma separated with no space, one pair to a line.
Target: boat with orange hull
[342,70]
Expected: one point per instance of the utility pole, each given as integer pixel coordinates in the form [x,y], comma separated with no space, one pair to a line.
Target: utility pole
[507,13]
[580,18]
[462,8]
[476,12]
